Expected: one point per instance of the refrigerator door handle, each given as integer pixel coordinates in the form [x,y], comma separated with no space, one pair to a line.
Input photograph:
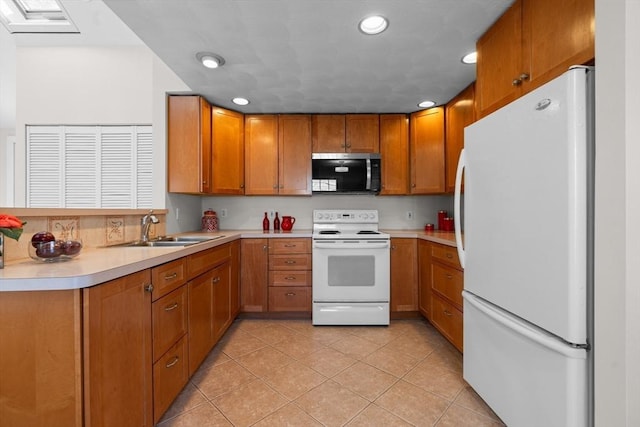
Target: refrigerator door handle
[542,338]
[456,207]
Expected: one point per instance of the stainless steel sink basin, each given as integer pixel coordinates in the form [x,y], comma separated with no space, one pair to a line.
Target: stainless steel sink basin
[168,241]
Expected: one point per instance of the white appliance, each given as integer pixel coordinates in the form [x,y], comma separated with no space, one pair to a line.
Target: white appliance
[527,254]
[351,268]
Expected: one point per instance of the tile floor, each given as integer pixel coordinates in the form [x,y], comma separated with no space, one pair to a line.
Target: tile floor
[290,373]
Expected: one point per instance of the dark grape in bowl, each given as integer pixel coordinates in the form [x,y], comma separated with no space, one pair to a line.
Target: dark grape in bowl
[55,250]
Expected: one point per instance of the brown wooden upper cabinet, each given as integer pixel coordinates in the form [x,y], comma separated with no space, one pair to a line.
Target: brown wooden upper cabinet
[228,151]
[460,112]
[394,150]
[278,154]
[350,133]
[530,44]
[427,143]
[189,152]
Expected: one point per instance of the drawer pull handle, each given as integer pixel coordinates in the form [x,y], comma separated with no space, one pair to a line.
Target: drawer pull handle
[290,278]
[449,256]
[290,294]
[449,276]
[171,307]
[289,261]
[216,279]
[172,362]
[171,276]
[290,245]
[448,313]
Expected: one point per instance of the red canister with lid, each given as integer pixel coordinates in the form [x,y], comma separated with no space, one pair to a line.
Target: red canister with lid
[209,221]
[441,216]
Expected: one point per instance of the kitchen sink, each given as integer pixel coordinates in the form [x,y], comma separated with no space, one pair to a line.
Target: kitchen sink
[168,241]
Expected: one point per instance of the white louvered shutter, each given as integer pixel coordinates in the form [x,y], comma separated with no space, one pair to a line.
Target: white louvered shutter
[79,165]
[144,163]
[44,154]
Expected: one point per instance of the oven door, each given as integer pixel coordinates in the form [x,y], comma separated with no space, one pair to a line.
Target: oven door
[351,270]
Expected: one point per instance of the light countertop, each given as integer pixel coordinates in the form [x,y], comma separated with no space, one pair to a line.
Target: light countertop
[97,265]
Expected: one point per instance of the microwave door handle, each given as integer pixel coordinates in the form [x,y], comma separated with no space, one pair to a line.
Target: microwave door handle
[368,186]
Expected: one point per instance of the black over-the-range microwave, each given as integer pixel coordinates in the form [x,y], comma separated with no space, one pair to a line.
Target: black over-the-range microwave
[345,173]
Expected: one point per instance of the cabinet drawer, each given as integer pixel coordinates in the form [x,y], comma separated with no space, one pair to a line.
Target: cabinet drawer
[202,261]
[169,320]
[170,374]
[290,262]
[447,319]
[288,246]
[167,277]
[290,278]
[446,254]
[291,298]
[448,282]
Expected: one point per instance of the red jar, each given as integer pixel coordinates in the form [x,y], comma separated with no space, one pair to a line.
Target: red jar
[210,221]
[429,227]
[441,216]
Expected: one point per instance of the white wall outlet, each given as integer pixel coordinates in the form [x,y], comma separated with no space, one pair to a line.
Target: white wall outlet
[409,215]
[177,214]
[223,213]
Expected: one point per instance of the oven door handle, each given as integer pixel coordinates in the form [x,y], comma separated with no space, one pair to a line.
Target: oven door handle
[359,245]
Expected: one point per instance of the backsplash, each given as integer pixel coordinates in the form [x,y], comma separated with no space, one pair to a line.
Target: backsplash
[93,230]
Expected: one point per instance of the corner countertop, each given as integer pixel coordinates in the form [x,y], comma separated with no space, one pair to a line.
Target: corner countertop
[98,265]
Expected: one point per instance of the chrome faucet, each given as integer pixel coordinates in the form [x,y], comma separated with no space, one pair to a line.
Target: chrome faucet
[145,224]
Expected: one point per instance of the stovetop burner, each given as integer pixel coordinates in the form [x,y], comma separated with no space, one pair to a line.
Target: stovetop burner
[329,232]
[368,232]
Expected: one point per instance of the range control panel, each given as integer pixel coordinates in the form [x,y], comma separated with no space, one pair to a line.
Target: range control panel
[349,216]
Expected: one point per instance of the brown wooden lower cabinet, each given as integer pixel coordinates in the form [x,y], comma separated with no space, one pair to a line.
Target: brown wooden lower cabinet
[404,275]
[290,275]
[254,255]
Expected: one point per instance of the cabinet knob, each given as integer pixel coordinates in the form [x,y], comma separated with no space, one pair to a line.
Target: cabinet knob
[275,186]
[265,247]
[148,287]
[448,313]
[216,279]
[516,82]
[523,76]
[241,185]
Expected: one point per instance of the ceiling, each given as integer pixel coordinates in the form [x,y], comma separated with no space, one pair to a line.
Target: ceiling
[303,56]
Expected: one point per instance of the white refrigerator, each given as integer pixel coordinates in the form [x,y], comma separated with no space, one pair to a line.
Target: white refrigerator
[527,253]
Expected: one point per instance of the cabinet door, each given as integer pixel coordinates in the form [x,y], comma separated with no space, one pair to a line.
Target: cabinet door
[200,319]
[500,61]
[362,134]
[460,112]
[328,133]
[424,278]
[189,140]
[294,148]
[117,352]
[394,150]
[404,275]
[221,281]
[254,275]
[227,152]
[556,35]
[234,287]
[427,151]
[261,154]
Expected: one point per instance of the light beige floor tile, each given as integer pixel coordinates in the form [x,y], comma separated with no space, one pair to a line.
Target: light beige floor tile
[446,357]
[189,398]
[458,416]
[413,404]
[469,399]
[249,403]
[380,335]
[299,346]
[294,379]
[215,357]
[273,334]
[413,345]
[239,343]
[205,415]
[355,347]
[327,335]
[375,416]
[436,379]
[328,361]
[221,379]
[331,404]
[367,381]
[392,360]
[288,416]
[263,361]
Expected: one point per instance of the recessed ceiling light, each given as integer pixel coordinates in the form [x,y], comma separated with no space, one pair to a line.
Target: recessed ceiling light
[374,24]
[470,58]
[240,101]
[426,104]
[210,60]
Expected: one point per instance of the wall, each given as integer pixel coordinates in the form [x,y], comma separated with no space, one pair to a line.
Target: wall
[7,114]
[247,212]
[617,233]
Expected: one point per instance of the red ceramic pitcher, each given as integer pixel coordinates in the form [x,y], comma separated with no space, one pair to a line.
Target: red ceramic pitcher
[287,223]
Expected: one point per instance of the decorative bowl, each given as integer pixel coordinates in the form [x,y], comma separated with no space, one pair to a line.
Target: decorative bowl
[55,251]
